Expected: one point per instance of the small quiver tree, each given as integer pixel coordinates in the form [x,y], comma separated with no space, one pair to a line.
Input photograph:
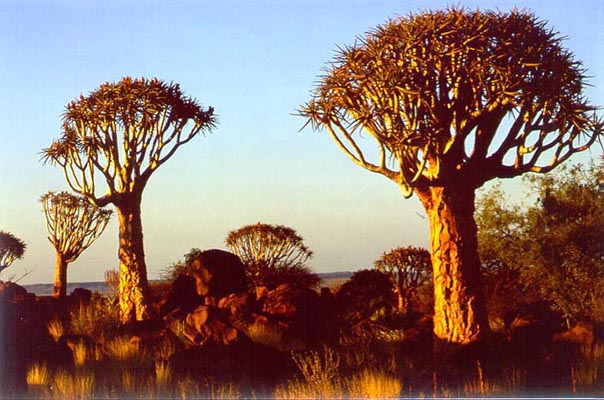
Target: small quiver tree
[272,253]
[73,224]
[11,249]
[117,137]
[407,268]
[449,100]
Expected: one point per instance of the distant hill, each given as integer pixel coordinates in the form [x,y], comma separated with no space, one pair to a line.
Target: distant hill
[330,279]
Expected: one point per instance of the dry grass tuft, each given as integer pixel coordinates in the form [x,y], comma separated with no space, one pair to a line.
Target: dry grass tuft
[77,386]
[374,384]
[55,329]
[38,375]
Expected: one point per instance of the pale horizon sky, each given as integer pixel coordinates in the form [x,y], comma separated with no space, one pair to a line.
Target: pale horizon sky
[255,62]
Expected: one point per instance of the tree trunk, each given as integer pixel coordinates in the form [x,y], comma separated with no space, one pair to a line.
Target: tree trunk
[133,287]
[460,314]
[60,288]
[401,306]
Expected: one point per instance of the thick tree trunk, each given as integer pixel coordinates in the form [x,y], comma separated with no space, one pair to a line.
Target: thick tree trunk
[133,287]
[460,314]
[60,288]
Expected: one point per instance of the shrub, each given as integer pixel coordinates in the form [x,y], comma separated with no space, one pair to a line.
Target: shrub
[368,294]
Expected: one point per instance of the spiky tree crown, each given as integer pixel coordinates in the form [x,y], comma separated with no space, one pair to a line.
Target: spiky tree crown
[433,88]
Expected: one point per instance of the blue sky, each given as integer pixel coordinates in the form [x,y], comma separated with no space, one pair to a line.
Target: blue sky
[255,62]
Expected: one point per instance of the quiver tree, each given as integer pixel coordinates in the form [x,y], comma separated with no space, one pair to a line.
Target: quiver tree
[453,99]
[73,224]
[11,249]
[116,137]
[407,268]
[268,250]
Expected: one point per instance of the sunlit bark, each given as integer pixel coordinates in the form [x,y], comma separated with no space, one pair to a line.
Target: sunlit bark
[60,286]
[460,314]
[133,287]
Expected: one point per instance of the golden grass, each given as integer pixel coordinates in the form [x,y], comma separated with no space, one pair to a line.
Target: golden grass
[123,349]
[38,375]
[55,329]
[73,386]
[374,384]
[320,370]
[163,374]
[589,374]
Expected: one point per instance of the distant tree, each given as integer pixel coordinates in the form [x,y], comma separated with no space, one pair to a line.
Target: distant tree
[270,249]
[73,224]
[117,136]
[11,249]
[453,99]
[555,246]
[367,295]
[407,268]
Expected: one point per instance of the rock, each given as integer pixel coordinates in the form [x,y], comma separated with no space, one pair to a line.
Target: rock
[580,334]
[80,296]
[217,274]
[12,291]
[292,303]
[182,297]
[209,325]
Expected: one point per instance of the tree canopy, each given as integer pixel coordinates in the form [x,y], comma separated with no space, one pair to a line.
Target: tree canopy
[73,224]
[407,267]
[552,249]
[11,249]
[123,132]
[433,90]
[265,247]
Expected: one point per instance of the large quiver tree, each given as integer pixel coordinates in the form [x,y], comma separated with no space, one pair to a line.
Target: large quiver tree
[116,137]
[73,224]
[453,99]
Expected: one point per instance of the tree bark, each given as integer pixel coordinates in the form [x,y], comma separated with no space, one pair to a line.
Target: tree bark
[460,314]
[133,287]
[60,287]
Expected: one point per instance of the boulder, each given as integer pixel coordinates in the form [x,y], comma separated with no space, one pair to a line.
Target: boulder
[80,297]
[217,274]
[208,325]
[11,291]
[291,302]
[182,297]
[581,334]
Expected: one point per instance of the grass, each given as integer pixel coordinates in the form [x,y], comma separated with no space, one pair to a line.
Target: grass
[78,385]
[374,384]
[589,373]
[55,329]
[119,366]
[38,375]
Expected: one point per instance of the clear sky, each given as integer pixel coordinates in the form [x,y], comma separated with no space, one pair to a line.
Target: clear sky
[255,62]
